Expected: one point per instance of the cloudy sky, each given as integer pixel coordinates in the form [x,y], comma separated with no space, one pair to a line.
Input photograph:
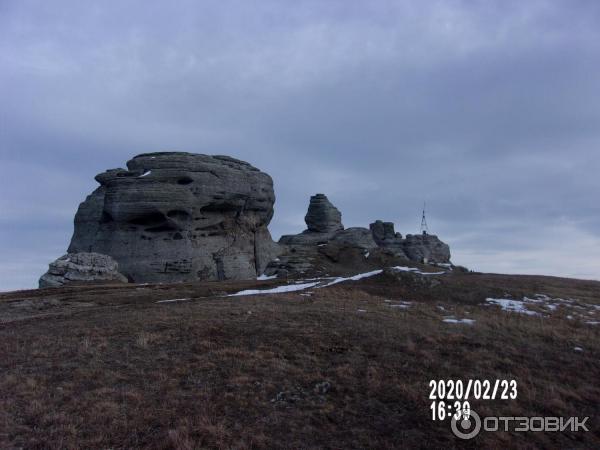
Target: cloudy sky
[489,111]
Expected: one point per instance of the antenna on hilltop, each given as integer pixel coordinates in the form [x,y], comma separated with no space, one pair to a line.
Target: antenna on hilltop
[424,228]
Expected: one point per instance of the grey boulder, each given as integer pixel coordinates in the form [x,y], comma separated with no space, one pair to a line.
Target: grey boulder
[81,268]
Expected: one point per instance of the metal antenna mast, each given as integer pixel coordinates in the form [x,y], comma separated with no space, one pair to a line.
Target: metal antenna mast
[424,228]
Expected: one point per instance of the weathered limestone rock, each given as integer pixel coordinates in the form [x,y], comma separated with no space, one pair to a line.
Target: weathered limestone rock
[426,248]
[176,216]
[323,221]
[355,237]
[81,268]
[418,247]
[322,216]
[385,237]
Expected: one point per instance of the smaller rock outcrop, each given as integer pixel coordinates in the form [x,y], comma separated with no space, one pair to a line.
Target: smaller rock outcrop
[81,268]
[323,221]
[426,248]
[385,237]
[326,247]
[322,216]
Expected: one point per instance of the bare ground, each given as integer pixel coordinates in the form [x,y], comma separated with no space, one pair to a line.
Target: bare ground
[109,367]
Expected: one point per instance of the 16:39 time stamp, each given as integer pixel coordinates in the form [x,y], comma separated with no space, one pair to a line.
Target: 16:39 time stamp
[450,398]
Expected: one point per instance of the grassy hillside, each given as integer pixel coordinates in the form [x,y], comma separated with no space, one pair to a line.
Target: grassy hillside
[345,366]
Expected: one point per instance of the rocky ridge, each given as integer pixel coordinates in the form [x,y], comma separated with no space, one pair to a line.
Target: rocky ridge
[325,246]
[175,216]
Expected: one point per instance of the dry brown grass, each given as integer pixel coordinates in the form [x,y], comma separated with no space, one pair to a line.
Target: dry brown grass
[247,372]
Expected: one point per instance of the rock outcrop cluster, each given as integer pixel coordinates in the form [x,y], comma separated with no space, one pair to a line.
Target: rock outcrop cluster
[82,268]
[177,216]
[325,241]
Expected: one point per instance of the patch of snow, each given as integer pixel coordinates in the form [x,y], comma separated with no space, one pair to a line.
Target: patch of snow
[401,304]
[465,321]
[405,269]
[353,278]
[578,349]
[551,306]
[441,308]
[264,277]
[276,290]
[367,254]
[570,317]
[415,270]
[146,173]
[593,322]
[174,300]
[321,245]
[511,305]
[361,310]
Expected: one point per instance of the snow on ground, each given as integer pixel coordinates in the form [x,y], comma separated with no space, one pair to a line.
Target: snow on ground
[578,349]
[517,306]
[453,320]
[415,270]
[146,173]
[174,300]
[353,278]
[322,282]
[401,305]
[549,305]
[264,277]
[276,290]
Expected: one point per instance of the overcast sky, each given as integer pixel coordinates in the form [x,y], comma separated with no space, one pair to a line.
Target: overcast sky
[489,111]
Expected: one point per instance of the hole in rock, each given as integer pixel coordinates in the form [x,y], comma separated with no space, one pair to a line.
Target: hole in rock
[106,217]
[185,180]
[148,219]
[221,207]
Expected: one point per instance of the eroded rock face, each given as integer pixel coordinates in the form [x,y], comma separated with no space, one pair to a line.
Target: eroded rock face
[426,247]
[81,268]
[175,216]
[355,237]
[322,216]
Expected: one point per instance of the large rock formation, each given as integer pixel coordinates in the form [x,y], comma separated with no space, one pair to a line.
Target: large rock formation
[82,268]
[177,216]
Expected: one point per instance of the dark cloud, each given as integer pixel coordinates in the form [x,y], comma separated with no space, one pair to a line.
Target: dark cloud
[486,110]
